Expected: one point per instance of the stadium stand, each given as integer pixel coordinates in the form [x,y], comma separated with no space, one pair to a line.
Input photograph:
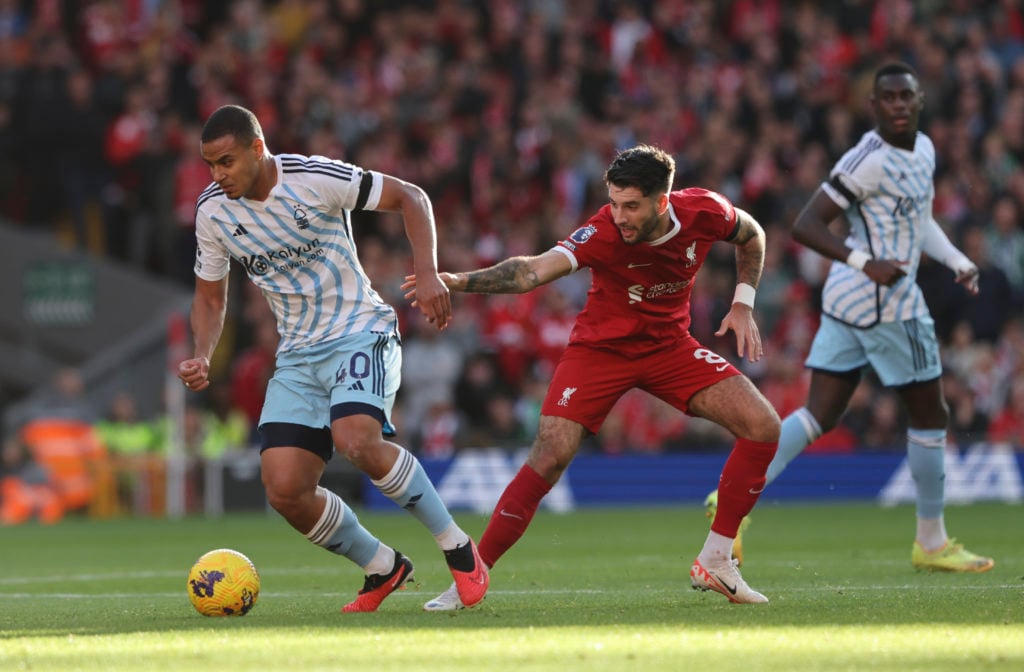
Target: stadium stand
[506,112]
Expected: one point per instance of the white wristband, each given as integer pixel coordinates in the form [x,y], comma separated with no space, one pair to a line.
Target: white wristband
[744,294]
[857,259]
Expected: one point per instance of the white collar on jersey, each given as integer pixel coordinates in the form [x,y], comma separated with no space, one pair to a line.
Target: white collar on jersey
[672,232]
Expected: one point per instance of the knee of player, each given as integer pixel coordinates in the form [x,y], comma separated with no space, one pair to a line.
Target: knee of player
[358,447]
[285,497]
[353,451]
[548,463]
[556,445]
[763,424]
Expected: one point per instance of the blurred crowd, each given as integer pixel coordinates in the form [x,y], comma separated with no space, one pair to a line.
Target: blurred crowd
[507,112]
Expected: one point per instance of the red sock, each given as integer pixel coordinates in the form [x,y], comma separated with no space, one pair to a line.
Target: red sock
[741,483]
[512,514]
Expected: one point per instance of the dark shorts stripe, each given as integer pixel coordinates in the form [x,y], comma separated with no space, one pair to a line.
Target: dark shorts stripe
[345,409]
[916,347]
[378,365]
[286,434]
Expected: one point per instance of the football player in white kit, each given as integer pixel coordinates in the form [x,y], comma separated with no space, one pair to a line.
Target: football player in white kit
[874,312]
[287,219]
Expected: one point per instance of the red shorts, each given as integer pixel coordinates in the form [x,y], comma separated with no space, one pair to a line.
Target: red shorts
[588,381]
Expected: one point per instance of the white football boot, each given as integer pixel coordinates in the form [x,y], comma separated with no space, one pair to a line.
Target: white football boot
[724,579]
[446,601]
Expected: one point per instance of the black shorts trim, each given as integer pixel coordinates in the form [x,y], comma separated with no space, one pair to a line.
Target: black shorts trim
[852,374]
[348,408]
[279,434]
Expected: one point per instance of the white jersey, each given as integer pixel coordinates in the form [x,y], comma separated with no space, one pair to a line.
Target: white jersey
[887,193]
[297,247]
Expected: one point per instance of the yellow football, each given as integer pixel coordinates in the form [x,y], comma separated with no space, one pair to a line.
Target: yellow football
[223,583]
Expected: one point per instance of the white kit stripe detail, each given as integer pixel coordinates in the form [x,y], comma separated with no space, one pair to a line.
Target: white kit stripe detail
[893,190]
[298,249]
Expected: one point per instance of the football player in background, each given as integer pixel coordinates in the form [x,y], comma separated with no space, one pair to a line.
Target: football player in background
[874,312]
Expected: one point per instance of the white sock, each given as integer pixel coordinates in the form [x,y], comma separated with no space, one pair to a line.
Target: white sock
[717,550]
[383,560]
[931,533]
[451,537]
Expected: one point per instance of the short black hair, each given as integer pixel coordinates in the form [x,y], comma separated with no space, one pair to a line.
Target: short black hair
[232,120]
[895,68]
[648,168]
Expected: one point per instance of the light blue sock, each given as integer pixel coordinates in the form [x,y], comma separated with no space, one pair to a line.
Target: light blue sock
[926,457]
[799,430]
[340,532]
[408,486]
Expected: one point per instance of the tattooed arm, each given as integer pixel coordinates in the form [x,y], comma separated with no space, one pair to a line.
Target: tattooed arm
[749,242]
[516,275]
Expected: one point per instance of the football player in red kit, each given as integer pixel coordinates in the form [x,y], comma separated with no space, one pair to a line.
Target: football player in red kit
[644,249]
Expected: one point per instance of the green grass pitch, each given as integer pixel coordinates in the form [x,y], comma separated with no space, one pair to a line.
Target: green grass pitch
[593,590]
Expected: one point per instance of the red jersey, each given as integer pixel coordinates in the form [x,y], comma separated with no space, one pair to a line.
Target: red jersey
[639,298]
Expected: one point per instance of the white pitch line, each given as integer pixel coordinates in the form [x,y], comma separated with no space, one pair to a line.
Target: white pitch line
[287,571]
[403,595]
[119,576]
[554,591]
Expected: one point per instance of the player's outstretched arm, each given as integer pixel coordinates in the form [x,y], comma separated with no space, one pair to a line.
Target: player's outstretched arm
[209,306]
[516,275]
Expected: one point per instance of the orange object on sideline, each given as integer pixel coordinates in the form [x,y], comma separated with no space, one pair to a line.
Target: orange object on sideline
[69,451]
[21,501]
